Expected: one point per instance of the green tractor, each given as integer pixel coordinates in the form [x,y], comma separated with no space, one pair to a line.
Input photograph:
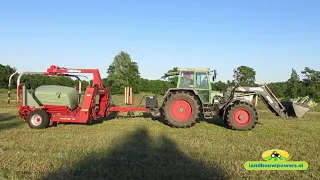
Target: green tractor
[193,98]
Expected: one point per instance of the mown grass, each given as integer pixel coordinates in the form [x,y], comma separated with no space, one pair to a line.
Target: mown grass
[143,148]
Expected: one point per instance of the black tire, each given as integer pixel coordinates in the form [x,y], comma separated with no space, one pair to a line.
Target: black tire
[38,119]
[191,109]
[242,110]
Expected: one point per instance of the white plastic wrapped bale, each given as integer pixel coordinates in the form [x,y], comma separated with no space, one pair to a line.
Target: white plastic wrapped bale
[56,95]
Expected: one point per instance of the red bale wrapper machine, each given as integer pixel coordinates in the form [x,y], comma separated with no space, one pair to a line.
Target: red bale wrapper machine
[182,106]
[52,103]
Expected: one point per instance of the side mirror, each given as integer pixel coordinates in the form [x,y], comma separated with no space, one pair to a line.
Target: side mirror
[235,73]
[214,75]
[235,76]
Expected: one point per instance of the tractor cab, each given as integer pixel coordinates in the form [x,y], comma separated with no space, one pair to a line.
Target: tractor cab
[197,79]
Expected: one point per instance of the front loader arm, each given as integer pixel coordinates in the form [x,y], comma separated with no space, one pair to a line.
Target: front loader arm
[268,98]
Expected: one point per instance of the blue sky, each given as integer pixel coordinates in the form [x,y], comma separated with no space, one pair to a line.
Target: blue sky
[270,36]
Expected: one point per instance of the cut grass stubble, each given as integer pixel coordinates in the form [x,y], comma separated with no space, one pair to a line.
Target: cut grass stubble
[142,148]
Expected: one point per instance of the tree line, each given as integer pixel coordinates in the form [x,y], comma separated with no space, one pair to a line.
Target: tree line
[124,72]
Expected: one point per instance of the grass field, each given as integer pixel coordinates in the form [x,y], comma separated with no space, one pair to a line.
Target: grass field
[142,148]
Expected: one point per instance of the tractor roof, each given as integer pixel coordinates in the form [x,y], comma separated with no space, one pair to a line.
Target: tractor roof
[194,69]
[187,69]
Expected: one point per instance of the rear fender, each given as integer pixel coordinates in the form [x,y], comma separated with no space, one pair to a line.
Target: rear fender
[171,90]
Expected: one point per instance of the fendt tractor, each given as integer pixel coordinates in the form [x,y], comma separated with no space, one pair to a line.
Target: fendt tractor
[183,106]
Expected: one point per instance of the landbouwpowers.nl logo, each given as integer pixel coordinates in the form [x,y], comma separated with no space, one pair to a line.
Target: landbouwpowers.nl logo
[276,159]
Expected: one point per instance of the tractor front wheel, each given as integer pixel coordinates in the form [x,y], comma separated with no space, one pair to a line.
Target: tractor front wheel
[241,116]
[38,119]
[181,109]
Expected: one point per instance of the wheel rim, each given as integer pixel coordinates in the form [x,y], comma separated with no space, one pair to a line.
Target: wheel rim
[181,110]
[36,120]
[241,117]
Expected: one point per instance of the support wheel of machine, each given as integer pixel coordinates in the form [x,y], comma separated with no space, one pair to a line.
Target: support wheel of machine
[241,116]
[38,119]
[181,109]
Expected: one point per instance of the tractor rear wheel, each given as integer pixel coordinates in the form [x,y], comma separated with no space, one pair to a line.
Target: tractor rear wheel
[38,119]
[241,116]
[181,109]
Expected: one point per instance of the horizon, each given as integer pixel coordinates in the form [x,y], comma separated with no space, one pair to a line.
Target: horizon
[270,37]
[216,80]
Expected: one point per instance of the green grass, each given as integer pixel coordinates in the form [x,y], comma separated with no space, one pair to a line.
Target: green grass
[142,148]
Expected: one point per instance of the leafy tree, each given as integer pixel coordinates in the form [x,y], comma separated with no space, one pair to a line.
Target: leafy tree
[5,72]
[246,76]
[145,85]
[123,73]
[293,85]
[33,81]
[158,86]
[154,86]
[173,80]
[311,83]
[84,84]
[105,82]
[230,83]
[278,88]
[219,86]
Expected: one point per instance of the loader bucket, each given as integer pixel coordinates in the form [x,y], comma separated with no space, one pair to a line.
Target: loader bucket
[295,109]
[300,109]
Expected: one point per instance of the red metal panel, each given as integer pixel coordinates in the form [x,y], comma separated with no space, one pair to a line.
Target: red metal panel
[87,104]
[79,115]
[102,105]
[95,72]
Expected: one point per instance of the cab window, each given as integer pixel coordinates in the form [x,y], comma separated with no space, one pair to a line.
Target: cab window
[202,80]
[187,80]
